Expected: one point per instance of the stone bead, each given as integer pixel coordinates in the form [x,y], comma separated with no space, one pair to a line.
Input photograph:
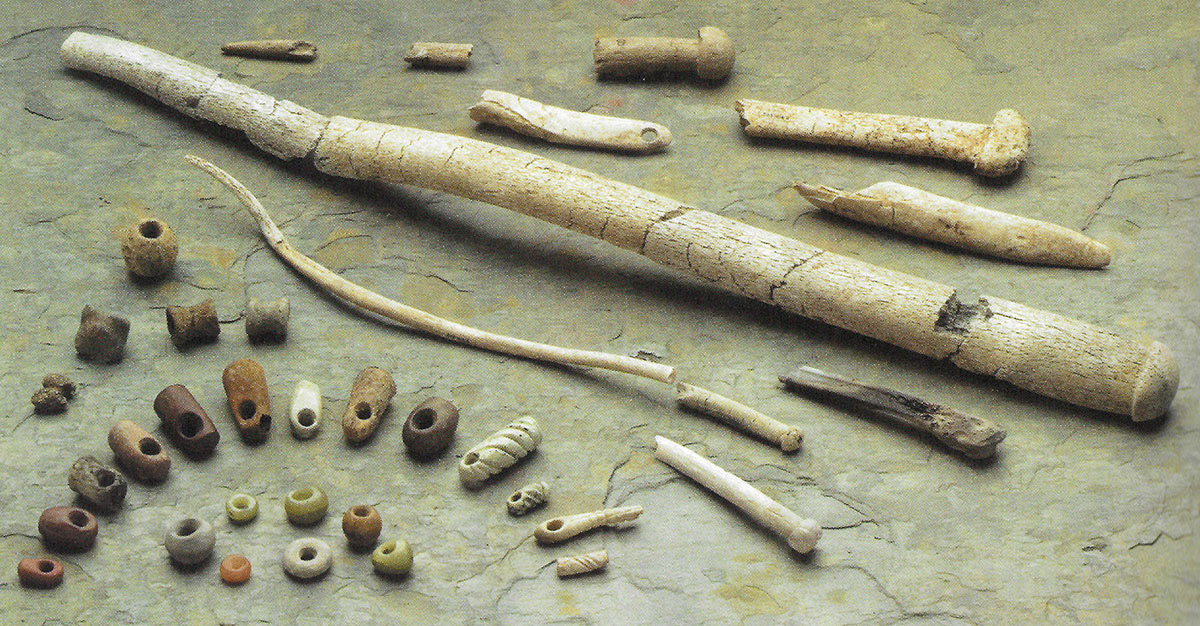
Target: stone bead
[185,422]
[373,390]
[307,558]
[48,401]
[62,382]
[235,569]
[393,558]
[149,248]
[306,506]
[249,402]
[189,325]
[40,573]
[306,410]
[362,526]
[139,453]
[430,428]
[190,540]
[68,528]
[267,321]
[101,338]
[241,508]
[101,486]
[528,498]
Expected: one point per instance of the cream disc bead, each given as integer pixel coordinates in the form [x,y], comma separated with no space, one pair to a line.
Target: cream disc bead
[307,558]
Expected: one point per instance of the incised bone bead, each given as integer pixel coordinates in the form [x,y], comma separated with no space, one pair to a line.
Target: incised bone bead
[149,248]
[373,390]
[193,324]
[68,528]
[430,427]
[48,401]
[528,498]
[39,573]
[267,321]
[138,452]
[241,508]
[185,421]
[393,558]
[362,526]
[101,338]
[581,563]
[190,540]
[500,451]
[98,484]
[307,558]
[235,569]
[306,506]
[305,415]
[246,387]
[62,382]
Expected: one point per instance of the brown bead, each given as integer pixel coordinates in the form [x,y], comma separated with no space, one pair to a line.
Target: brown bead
[149,248]
[62,382]
[369,398]
[193,324]
[362,526]
[48,401]
[235,569]
[430,427]
[246,387]
[68,528]
[138,452]
[101,338]
[101,486]
[185,422]
[39,573]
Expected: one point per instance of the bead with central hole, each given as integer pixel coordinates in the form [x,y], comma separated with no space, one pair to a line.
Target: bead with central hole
[307,558]
[190,540]
[68,529]
[430,428]
[249,402]
[305,415]
[393,558]
[139,453]
[149,248]
[185,422]
[235,569]
[241,508]
[39,573]
[306,506]
[196,324]
[97,484]
[373,390]
[101,338]
[362,526]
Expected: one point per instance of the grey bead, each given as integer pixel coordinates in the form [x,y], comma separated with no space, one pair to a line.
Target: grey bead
[190,540]
[97,483]
[307,558]
[528,498]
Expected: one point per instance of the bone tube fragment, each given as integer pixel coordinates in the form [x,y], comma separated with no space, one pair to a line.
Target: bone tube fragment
[581,563]
[709,55]
[278,49]
[1050,354]
[801,534]
[787,438]
[435,54]
[530,117]
[928,216]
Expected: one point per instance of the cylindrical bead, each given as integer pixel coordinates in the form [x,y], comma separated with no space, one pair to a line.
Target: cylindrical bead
[581,563]
[437,54]
[267,320]
[193,324]
[101,338]
[138,452]
[101,486]
[306,506]
[185,422]
[305,415]
[68,528]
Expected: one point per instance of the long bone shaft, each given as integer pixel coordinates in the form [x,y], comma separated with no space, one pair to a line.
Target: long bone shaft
[1043,352]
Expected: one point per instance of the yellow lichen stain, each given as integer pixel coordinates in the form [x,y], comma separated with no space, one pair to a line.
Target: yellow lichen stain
[345,248]
[437,296]
[465,395]
[748,600]
[217,256]
[566,604]
[748,557]
[837,596]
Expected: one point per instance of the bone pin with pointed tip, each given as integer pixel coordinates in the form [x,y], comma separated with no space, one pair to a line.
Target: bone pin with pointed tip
[561,529]
[530,117]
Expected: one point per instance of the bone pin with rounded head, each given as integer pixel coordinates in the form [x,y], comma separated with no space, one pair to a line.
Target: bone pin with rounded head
[801,534]
[530,117]
[995,149]
[560,529]
[710,55]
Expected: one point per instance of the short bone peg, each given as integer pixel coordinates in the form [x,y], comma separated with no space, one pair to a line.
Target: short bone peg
[437,54]
[710,55]
[275,49]
[246,388]
[369,398]
[560,529]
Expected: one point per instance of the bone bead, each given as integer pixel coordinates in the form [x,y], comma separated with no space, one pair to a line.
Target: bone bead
[189,540]
[436,54]
[48,401]
[274,49]
[149,248]
[361,524]
[241,508]
[307,558]
[305,414]
[39,573]
[97,484]
[430,428]
[499,452]
[68,529]
[138,452]
[185,422]
[393,558]
[581,563]
[710,55]
[246,388]
[560,529]
[101,338]
[267,320]
[306,506]
[373,390]
[195,324]
[530,117]
[528,498]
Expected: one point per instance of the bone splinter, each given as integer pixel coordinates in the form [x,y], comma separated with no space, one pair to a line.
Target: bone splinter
[530,117]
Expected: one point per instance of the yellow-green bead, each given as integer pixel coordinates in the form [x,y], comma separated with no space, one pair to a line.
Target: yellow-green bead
[306,506]
[242,508]
[393,558]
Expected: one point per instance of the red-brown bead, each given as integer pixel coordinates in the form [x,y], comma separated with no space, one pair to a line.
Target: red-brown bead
[68,528]
[40,573]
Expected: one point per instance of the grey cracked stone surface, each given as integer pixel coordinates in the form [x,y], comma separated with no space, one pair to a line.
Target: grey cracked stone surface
[1082,518]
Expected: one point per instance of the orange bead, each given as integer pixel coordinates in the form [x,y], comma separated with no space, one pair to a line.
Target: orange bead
[235,569]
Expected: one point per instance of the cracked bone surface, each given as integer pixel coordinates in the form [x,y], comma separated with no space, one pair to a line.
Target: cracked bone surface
[996,149]
[709,55]
[530,117]
[801,534]
[929,216]
[1039,351]
[559,529]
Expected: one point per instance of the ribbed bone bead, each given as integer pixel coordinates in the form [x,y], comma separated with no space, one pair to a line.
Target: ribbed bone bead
[500,451]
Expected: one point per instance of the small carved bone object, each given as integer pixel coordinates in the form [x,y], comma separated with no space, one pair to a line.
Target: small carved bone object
[736,414]
[149,248]
[430,428]
[267,321]
[530,117]
[528,498]
[559,529]
[434,54]
[995,149]
[369,398]
[306,410]
[581,563]
[185,422]
[49,401]
[710,55]
[801,534]
[101,338]
[970,435]
[275,49]
[249,402]
[193,324]
[928,216]
[97,484]
[138,452]
[499,452]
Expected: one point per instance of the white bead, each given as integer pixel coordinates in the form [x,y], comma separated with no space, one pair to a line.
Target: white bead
[307,558]
[306,410]
[500,451]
